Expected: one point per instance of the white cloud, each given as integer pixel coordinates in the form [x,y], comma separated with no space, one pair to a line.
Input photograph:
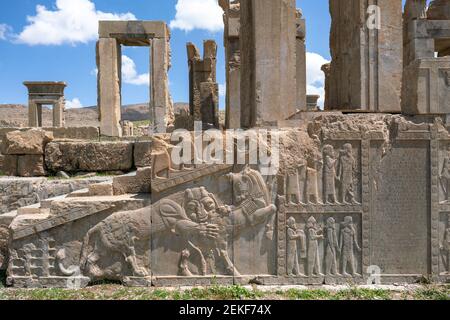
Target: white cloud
[315,76]
[74,104]
[4,30]
[72,21]
[130,74]
[198,14]
[222,90]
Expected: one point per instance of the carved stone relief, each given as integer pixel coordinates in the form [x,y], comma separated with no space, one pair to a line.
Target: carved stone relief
[323,245]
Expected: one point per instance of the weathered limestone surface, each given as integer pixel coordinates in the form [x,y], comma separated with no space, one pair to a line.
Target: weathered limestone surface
[81,133]
[428,88]
[232,21]
[109,82]
[89,156]
[31,142]
[142,154]
[366,67]
[301,62]
[31,166]
[161,107]
[21,192]
[268,61]
[344,185]
[203,87]
[426,78]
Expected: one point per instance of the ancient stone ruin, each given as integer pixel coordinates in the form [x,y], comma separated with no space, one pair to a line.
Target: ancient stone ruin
[358,193]
[45,93]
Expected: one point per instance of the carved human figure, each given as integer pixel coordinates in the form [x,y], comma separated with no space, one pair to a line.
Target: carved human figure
[212,243]
[293,189]
[312,187]
[215,225]
[329,174]
[332,249]
[445,176]
[345,171]
[445,246]
[348,244]
[314,233]
[296,243]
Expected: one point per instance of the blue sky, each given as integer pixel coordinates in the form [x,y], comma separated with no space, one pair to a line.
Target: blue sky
[58,44]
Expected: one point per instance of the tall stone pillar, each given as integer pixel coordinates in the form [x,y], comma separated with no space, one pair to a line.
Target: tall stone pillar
[268,61]
[232,21]
[161,108]
[366,67]
[203,87]
[58,113]
[33,114]
[109,83]
[301,62]
[326,70]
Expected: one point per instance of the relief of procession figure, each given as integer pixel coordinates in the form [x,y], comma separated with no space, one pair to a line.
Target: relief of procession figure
[349,242]
[332,248]
[345,174]
[341,170]
[331,174]
[445,246]
[445,176]
[340,248]
[296,242]
[315,234]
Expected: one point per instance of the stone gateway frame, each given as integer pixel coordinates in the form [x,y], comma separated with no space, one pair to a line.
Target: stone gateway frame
[45,93]
[113,35]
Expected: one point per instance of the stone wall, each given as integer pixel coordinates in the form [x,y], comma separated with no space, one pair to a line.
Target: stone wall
[20,192]
[82,133]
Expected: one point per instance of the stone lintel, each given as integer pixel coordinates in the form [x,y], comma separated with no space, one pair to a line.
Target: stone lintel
[133,31]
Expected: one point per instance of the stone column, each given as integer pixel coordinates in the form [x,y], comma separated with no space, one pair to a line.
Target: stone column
[33,119]
[301,62]
[161,109]
[58,113]
[203,88]
[366,67]
[109,82]
[232,21]
[268,61]
[326,70]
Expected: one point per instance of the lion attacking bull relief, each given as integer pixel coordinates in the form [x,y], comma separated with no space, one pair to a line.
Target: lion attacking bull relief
[205,226]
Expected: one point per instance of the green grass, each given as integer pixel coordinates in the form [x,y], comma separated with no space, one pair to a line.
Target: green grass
[107,291]
[141,123]
[433,293]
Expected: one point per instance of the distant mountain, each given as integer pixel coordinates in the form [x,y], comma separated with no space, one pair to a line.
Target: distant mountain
[16,115]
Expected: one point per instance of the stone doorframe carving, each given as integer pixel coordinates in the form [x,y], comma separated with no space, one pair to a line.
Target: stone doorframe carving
[114,34]
[45,93]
